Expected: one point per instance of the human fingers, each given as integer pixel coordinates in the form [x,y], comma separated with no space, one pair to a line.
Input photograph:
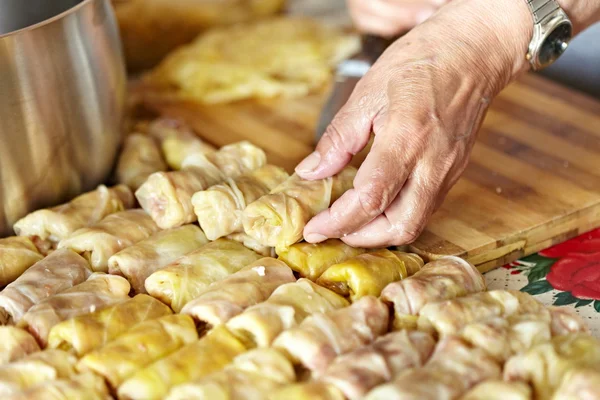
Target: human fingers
[377,183]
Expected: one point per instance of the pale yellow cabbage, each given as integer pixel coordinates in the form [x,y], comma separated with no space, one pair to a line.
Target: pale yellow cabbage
[98,292]
[311,260]
[15,343]
[359,371]
[278,219]
[192,362]
[451,316]
[84,386]
[288,306]
[138,262]
[499,390]
[150,29]
[320,338]
[566,320]
[35,369]
[577,384]
[252,376]
[16,255]
[219,208]
[115,232]
[49,226]
[177,140]
[364,275]
[443,279]
[87,332]
[281,56]
[186,278]
[167,196]
[139,347]
[251,243]
[504,337]
[227,298]
[453,369]
[314,390]
[139,158]
[545,366]
[56,273]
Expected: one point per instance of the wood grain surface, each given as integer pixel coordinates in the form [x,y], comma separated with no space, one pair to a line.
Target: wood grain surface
[533,179]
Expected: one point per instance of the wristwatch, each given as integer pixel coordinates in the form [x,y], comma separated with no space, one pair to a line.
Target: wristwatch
[552,32]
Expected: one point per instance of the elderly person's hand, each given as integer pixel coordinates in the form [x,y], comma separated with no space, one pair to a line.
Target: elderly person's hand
[424,100]
[391,17]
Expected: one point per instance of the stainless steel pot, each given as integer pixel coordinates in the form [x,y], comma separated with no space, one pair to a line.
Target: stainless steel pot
[62,98]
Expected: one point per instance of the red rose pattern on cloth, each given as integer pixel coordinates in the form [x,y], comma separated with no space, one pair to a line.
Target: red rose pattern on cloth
[578,274]
[588,243]
[567,274]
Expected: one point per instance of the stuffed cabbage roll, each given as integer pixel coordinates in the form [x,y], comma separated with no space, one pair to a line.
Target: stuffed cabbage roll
[565,320]
[139,158]
[100,241]
[177,140]
[499,390]
[84,386]
[139,347]
[15,343]
[192,362]
[187,277]
[321,337]
[314,390]
[278,219]
[98,292]
[545,366]
[579,384]
[37,368]
[167,196]
[311,260]
[227,298]
[56,273]
[359,371]
[16,255]
[453,369]
[219,208]
[138,262]
[443,279]
[87,332]
[366,274]
[252,376]
[233,160]
[289,305]
[502,337]
[49,226]
[451,316]
[251,243]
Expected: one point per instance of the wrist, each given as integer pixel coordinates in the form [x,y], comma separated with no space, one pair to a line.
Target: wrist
[488,39]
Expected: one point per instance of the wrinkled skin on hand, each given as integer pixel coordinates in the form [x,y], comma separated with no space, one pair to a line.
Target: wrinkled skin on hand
[424,100]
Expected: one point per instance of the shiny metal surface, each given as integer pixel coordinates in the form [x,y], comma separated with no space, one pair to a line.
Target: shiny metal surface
[62,97]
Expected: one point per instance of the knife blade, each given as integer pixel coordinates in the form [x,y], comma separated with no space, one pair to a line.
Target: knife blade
[347,75]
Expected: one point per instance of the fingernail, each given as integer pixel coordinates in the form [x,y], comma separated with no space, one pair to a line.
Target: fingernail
[424,16]
[309,163]
[315,238]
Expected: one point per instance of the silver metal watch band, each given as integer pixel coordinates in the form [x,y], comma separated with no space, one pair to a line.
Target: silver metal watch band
[542,9]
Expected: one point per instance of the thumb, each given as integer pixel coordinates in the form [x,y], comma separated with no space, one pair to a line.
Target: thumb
[347,135]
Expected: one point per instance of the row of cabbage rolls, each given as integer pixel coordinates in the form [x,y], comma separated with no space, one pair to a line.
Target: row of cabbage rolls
[422,332]
[103,300]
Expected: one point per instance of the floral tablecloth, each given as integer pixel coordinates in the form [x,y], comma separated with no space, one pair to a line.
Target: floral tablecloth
[567,274]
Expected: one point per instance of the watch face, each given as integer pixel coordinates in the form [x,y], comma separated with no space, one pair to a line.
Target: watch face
[555,44]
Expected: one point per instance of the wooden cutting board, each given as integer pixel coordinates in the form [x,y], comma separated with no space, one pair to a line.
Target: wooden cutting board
[533,180]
